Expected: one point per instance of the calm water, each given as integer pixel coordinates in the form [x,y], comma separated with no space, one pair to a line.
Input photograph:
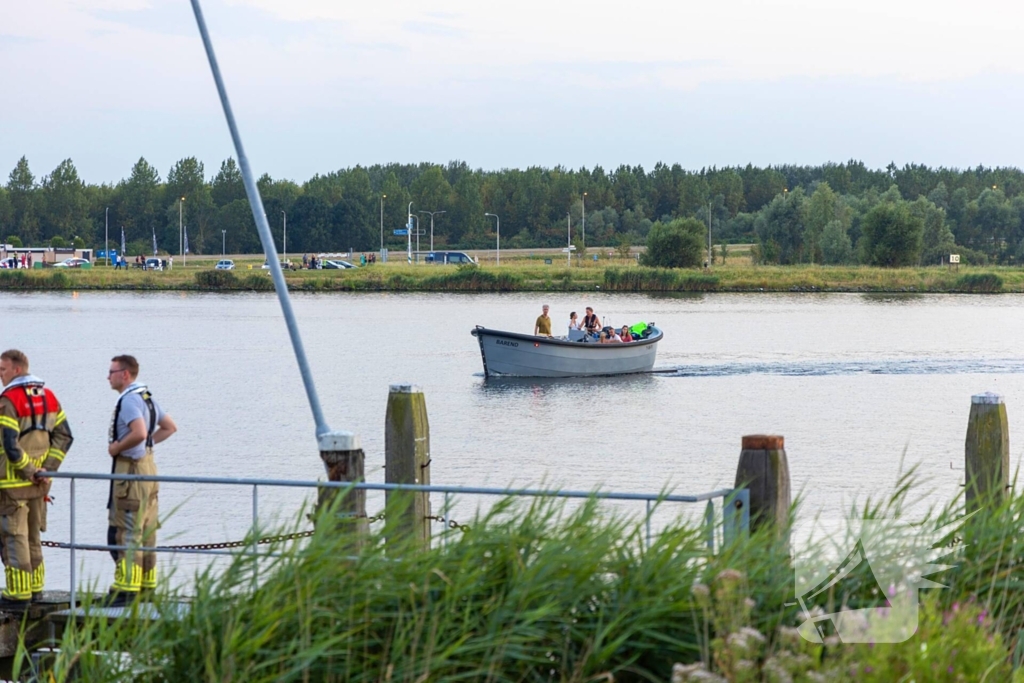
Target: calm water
[852,381]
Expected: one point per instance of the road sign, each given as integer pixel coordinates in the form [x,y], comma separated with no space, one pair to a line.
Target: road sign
[403,232]
[954,258]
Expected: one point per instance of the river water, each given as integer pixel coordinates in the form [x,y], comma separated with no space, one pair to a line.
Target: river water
[857,384]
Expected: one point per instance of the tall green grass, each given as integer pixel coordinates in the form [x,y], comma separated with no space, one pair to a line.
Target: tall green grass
[532,592]
[642,279]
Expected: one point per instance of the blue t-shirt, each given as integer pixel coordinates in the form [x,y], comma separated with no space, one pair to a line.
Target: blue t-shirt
[133,406]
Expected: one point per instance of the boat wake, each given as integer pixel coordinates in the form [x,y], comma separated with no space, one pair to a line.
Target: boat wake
[914,366]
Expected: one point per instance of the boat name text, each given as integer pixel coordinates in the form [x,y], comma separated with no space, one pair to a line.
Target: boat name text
[505,343]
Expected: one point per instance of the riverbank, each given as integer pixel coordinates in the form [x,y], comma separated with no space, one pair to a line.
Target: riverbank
[538,278]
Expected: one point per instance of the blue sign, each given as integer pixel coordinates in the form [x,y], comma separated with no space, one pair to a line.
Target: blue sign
[403,232]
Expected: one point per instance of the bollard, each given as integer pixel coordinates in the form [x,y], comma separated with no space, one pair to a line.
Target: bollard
[407,461]
[986,452]
[764,470]
[344,461]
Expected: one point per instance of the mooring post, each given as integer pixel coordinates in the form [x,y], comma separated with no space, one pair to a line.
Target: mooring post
[764,470]
[407,461]
[344,461]
[986,452]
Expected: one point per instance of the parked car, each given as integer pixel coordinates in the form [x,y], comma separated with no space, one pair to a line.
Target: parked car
[71,263]
[154,264]
[285,265]
[225,264]
[456,257]
[338,265]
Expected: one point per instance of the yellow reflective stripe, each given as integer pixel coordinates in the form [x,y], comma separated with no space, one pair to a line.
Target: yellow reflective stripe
[55,453]
[20,465]
[10,422]
[14,483]
[60,418]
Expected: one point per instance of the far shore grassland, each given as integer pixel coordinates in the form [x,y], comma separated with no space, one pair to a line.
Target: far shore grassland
[527,272]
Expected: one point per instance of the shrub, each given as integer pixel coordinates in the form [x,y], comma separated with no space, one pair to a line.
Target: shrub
[676,244]
[892,236]
[982,283]
[14,241]
[58,242]
[258,282]
[216,279]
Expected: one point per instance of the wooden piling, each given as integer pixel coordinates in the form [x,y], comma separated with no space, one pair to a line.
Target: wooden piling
[345,462]
[986,452]
[407,461]
[764,470]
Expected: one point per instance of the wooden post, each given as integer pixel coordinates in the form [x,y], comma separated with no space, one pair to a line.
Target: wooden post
[986,452]
[344,461]
[407,461]
[764,470]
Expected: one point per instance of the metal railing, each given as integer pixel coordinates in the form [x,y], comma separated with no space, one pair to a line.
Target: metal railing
[735,508]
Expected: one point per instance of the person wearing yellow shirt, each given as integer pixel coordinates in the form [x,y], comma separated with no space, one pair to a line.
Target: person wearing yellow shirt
[543,325]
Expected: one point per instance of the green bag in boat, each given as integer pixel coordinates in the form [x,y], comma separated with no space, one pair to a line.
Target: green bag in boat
[638,329]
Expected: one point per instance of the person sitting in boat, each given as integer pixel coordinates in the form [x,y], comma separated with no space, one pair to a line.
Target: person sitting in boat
[625,335]
[608,336]
[591,323]
[574,322]
[543,325]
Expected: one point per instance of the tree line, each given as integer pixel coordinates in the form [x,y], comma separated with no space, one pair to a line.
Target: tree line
[831,213]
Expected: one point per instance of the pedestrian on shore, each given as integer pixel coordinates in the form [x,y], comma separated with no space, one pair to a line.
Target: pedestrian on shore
[139,423]
[36,437]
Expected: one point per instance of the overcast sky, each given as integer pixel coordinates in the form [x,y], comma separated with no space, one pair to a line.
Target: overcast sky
[319,85]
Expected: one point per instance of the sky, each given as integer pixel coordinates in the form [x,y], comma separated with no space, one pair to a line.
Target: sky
[319,85]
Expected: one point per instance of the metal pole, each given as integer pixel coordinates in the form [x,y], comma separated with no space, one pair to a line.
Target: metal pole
[498,244]
[432,214]
[74,578]
[709,233]
[382,198]
[223,242]
[256,204]
[584,222]
[417,219]
[255,533]
[285,221]
[106,234]
[408,234]
[181,242]
[568,239]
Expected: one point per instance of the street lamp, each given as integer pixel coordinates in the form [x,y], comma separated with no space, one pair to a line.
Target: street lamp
[584,221]
[432,214]
[498,243]
[181,240]
[382,198]
[106,234]
[408,234]
[285,228]
[709,233]
[223,242]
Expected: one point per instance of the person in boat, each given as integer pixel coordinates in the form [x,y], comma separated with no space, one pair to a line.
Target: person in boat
[574,322]
[591,323]
[543,325]
[625,335]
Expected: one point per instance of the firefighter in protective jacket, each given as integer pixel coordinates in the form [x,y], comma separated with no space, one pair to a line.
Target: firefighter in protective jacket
[138,424]
[35,438]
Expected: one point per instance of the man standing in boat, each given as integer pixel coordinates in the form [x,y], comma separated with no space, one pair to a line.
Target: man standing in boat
[138,424]
[591,323]
[543,324]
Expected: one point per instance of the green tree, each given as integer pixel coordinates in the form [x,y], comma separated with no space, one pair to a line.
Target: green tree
[139,209]
[676,244]
[892,235]
[24,198]
[66,207]
[937,239]
[227,185]
[834,244]
[823,207]
[780,228]
[186,180]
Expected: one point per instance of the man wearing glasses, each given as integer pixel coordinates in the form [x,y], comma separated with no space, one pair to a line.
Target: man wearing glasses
[35,437]
[139,423]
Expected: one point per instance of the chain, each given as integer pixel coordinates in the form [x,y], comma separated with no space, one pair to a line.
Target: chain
[452,524]
[261,541]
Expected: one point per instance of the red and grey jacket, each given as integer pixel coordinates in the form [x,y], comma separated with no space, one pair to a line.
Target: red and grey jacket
[35,433]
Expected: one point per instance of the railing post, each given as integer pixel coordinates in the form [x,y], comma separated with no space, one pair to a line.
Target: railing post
[986,452]
[764,470]
[407,461]
[74,578]
[345,462]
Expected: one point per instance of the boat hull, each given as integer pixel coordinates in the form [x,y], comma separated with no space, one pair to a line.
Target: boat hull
[524,355]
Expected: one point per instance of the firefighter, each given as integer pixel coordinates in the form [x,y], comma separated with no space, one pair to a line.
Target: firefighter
[139,423]
[35,437]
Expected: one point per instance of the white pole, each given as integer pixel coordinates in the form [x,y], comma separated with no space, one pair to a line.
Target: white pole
[106,234]
[417,219]
[568,239]
[382,198]
[408,234]
[584,245]
[498,243]
[285,219]
[223,242]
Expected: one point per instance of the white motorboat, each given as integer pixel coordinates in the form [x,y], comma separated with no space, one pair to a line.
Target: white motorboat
[526,355]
